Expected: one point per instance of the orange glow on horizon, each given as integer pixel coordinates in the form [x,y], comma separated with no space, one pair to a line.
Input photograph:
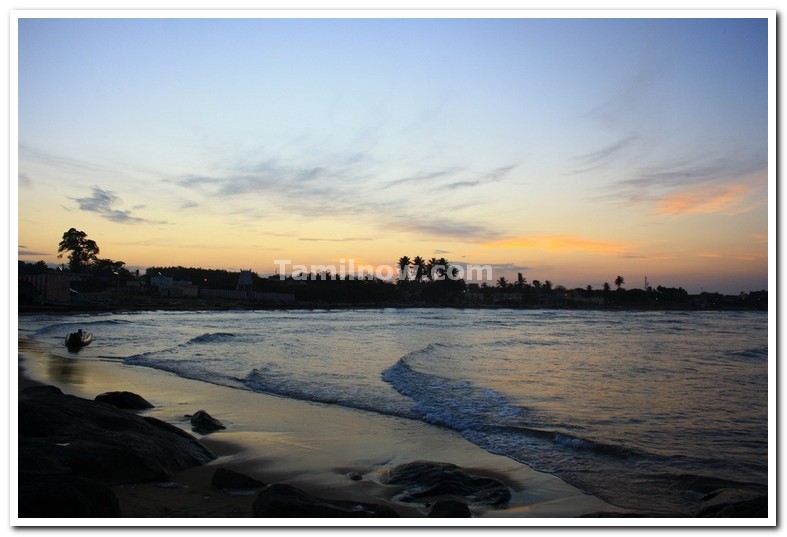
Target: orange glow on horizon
[561,244]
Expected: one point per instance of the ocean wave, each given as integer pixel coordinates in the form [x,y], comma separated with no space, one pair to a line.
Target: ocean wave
[189,369]
[456,404]
[480,413]
[750,354]
[211,337]
[67,327]
[266,379]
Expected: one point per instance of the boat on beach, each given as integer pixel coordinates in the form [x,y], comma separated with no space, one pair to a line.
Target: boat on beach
[77,340]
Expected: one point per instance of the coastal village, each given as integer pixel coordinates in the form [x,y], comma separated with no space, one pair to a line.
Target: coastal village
[88,282]
[195,288]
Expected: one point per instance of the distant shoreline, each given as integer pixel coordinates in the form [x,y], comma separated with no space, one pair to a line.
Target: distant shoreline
[165,304]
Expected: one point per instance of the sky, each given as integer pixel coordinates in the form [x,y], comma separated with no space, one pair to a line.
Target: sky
[568,149]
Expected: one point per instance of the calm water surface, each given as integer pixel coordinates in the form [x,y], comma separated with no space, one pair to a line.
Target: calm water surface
[647,410]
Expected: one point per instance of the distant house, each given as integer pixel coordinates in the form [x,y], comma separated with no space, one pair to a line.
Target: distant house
[169,287]
[245,281]
[53,286]
[158,280]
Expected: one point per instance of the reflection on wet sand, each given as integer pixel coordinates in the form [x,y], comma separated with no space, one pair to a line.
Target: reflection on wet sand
[65,370]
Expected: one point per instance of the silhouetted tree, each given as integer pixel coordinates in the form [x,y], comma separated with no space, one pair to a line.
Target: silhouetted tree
[83,250]
[619,281]
[438,268]
[606,287]
[404,267]
[520,281]
[502,283]
[39,267]
[419,263]
[431,268]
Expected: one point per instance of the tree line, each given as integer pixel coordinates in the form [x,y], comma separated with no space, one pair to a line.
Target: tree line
[433,281]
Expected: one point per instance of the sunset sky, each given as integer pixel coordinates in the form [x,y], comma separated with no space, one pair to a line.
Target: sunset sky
[572,150]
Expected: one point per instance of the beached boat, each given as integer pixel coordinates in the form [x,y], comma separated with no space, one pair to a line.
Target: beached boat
[79,339]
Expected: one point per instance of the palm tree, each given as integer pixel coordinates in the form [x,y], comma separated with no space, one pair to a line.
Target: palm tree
[404,267]
[83,250]
[520,281]
[419,263]
[502,283]
[548,286]
[443,267]
[431,268]
[619,281]
[606,287]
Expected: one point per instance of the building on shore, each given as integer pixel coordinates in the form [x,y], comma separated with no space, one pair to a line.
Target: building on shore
[53,287]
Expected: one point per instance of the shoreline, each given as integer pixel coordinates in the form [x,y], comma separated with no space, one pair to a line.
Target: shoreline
[308,445]
[125,304]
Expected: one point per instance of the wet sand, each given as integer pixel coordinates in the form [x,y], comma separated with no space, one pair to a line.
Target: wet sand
[278,440]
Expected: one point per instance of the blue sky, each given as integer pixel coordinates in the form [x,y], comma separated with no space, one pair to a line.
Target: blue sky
[569,149]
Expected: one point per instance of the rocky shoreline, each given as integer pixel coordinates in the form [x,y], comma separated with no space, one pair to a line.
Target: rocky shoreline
[73,451]
[112,454]
[82,458]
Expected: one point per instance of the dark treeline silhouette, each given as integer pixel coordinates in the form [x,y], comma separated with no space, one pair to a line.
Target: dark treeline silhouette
[420,282]
[83,260]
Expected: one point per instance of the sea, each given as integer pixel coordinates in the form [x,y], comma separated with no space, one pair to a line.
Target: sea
[648,410]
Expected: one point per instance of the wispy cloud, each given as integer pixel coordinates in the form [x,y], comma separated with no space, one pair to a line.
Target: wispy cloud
[708,199]
[753,257]
[697,169]
[426,178]
[102,201]
[23,251]
[338,239]
[349,188]
[699,185]
[446,228]
[28,153]
[507,267]
[493,176]
[602,157]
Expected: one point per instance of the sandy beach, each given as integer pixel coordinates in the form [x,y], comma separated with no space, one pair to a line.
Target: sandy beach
[277,440]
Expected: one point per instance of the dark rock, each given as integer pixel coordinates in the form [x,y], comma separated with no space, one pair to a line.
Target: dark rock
[35,460]
[450,509]
[632,514]
[355,476]
[731,503]
[204,423]
[224,478]
[424,480]
[126,400]
[32,391]
[62,434]
[66,497]
[285,501]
